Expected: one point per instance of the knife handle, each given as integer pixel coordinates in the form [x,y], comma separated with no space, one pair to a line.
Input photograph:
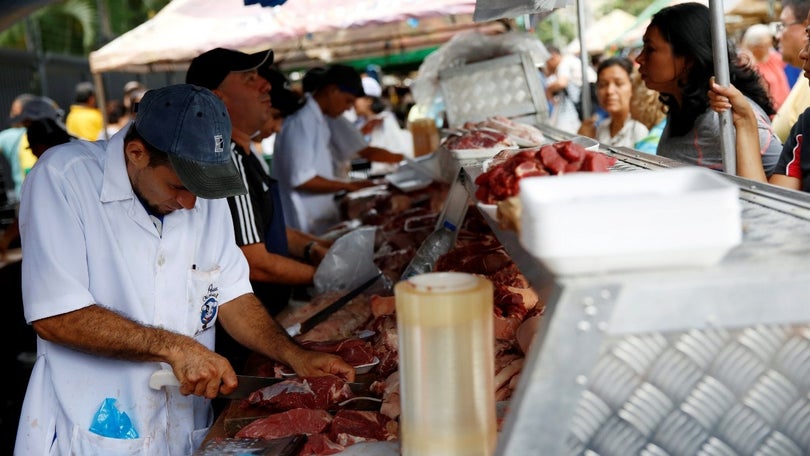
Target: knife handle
[161,378]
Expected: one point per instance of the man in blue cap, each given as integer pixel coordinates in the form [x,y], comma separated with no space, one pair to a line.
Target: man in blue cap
[127,266]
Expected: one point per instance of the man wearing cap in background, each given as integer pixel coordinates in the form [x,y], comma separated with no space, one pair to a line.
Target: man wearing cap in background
[346,141]
[279,258]
[302,159]
[136,275]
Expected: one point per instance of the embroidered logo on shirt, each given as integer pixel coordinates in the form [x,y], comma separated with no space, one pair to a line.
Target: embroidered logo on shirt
[208,310]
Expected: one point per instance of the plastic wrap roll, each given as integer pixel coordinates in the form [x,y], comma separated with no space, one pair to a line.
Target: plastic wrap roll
[446,362]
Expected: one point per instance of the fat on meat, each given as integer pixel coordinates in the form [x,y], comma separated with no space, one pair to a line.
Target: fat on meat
[285,424]
[383,305]
[389,390]
[386,344]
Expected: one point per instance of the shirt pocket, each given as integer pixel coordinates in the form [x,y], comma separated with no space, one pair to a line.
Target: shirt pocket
[203,299]
[87,443]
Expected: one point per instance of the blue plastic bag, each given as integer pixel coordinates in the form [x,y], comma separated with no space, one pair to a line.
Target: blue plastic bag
[111,422]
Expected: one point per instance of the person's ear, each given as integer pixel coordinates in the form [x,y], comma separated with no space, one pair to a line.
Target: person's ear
[137,153]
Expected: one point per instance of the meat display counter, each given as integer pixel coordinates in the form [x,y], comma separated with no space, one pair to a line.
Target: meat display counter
[711,360]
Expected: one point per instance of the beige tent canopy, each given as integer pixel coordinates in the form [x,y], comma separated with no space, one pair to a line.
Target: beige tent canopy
[604,30]
[299,31]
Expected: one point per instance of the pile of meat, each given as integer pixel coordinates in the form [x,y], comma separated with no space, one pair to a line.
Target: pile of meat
[500,181]
[310,405]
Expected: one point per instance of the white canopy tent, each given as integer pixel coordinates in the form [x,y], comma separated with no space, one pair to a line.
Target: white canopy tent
[298,31]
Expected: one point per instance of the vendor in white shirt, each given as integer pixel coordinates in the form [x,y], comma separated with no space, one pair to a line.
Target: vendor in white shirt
[140,269]
[302,159]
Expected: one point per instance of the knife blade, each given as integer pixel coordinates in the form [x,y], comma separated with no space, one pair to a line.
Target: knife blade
[247,384]
[323,314]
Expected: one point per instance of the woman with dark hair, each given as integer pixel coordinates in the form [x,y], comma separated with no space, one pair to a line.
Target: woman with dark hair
[614,91]
[677,61]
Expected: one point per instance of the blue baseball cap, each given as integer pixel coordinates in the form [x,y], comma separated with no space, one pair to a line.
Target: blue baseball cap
[191,125]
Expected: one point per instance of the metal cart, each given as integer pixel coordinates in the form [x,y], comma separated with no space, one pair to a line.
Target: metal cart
[700,361]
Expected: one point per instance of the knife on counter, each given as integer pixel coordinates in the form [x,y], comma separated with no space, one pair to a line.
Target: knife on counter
[247,384]
[323,314]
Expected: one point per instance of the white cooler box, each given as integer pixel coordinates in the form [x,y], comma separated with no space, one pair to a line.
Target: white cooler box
[600,222]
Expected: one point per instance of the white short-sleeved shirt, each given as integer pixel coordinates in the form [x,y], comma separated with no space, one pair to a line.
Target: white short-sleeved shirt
[87,240]
[302,152]
[345,141]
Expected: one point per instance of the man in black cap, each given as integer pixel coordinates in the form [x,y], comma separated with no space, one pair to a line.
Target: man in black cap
[138,267]
[302,159]
[279,258]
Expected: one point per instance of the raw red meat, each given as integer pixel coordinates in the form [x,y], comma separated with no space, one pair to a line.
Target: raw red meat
[302,392]
[500,181]
[285,424]
[320,445]
[354,351]
[354,426]
[478,138]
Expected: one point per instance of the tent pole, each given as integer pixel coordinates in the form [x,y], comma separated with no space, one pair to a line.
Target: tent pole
[720,50]
[584,60]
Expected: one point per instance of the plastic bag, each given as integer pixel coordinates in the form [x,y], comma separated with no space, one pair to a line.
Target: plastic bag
[348,263]
[488,10]
[111,422]
[467,47]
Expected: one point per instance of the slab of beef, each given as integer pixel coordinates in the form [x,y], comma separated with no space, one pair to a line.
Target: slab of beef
[479,138]
[500,181]
[527,133]
[354,426]
[354,351]
[320,445]
[285,424]
[302,392]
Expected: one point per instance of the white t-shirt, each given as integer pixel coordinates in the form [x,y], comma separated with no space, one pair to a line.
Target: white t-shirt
[87,239]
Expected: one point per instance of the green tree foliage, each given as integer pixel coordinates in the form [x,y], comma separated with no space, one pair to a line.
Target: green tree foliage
[74,26]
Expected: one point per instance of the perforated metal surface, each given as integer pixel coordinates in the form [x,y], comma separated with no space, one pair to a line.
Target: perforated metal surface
[693,361]
[508,86]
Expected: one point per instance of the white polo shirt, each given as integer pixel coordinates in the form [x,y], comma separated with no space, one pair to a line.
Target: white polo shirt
[302,152]
[87,239]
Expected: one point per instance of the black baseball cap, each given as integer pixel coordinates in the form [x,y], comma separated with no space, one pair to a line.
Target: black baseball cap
[210,68]
[346,78]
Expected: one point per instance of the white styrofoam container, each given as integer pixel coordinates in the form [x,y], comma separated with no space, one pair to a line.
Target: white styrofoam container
[598,222]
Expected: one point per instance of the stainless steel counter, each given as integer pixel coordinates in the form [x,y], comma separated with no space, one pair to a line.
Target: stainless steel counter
[712,360]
